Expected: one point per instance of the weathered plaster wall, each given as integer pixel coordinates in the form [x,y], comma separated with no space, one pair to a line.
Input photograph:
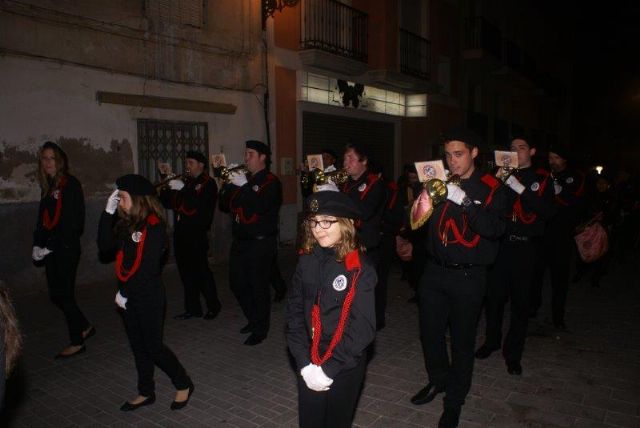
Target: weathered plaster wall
[46,100]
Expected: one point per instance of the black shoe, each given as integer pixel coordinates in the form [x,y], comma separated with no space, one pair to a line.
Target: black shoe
[514,367]
[177,405]
[254,339]
[185,316]
[280,294]
[450,417]
[246,329]
[426,394]
[90,332]
[128,407]
[211,314]
[62,356]
[484,352]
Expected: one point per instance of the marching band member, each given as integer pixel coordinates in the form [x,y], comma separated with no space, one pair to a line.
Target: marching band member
[193,202]
[56,240]
[254,204]
[330,317]
[138,235]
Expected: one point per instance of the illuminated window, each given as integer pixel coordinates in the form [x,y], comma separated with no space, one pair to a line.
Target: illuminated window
[320,89]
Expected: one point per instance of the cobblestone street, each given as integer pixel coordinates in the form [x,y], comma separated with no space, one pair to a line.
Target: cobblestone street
[586,377]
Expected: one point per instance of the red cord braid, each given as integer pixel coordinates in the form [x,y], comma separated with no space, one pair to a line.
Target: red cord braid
[125,274]
[46,219]
[450,224]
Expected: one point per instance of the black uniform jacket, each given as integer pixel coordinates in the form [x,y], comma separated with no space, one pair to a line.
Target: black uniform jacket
[370,194]
[529,212]
[469,235]
[193,205]
[255,206]
[147,279]
[570,202]
[66,233]
[318,274]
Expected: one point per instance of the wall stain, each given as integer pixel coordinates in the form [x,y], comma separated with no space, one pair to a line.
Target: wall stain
[95,167]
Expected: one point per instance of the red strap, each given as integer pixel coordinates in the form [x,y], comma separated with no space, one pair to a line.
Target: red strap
[493,184]
[125,274]
[518,211]
[352,262]
[394,194]
[239,211]
[47,222]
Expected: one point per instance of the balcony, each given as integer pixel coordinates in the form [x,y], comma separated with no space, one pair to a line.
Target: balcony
[415,55]
[334,37]
[481,38]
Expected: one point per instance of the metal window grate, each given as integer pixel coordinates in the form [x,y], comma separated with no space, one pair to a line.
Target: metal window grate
[168,141]
[178,12]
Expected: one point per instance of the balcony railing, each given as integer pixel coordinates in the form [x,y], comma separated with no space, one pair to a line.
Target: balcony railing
[334,27]
[481,34]
[415,55]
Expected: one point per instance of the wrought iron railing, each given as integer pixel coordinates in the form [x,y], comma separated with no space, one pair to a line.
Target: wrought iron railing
[415,54]
[481,34]
[334,27]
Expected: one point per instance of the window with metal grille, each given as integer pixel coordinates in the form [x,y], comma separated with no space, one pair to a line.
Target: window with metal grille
[168,141]
[177,12]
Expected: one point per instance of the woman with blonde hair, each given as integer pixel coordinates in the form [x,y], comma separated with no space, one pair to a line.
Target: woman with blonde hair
[138,236]
[56,240]
[330,318]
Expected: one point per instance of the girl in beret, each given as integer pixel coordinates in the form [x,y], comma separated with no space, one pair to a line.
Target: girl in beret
[56,240]
[134,228]
[330,317]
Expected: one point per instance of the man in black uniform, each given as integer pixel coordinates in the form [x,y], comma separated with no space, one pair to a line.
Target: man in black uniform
[369,192]
[530,202]
[254,204]
[193,202]
[568,185]
[462,240]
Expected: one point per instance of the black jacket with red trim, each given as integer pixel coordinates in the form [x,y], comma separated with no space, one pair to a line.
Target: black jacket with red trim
[481,225]
[66,233]
[570,202]
[529,212]
[147,280]
[254,207]
[193,206]
[319,274]
[393,216]
[370,194]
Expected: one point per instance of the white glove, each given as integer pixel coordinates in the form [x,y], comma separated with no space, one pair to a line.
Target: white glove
[121,301]
[176,184]
[515,184]
[112,202]
[557,188]
[455,194]
[330,186]
[315,378]
[238,178]
[330,168]
[39,254]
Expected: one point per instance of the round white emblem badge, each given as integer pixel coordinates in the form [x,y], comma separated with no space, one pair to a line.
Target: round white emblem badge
[135,236]
[362,187]
[569,180]
[255,188]
[535,186]
[56,194]
[340,283]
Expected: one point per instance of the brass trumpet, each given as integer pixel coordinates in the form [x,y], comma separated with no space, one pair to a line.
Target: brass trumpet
[167,179]
[339,176]
[225,172]
[437,193]
[504,172]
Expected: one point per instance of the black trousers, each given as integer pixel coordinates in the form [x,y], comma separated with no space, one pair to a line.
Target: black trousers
[450,297]
[143,320]
[385,255]
[250,265]
[510,278]
[333,408]
[195,273]
[61,267]
[556,256]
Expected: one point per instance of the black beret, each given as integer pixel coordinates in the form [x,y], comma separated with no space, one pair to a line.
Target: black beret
[464,135]
[135,184]
[560,150]
[328,202]
[192,154]
[258,146]
[56,148]
[330,152]
[531,142]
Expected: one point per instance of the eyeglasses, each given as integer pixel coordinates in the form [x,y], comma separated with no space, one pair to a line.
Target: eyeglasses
[325,224]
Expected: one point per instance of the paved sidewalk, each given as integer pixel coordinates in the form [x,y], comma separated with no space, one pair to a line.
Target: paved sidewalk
[588,377]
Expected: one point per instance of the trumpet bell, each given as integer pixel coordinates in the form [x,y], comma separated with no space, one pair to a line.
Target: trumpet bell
[226,172]
[338,176]
[437,190]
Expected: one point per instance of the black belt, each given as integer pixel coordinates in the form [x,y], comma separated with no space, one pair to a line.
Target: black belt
[456,266]
[521,238]
[256,238]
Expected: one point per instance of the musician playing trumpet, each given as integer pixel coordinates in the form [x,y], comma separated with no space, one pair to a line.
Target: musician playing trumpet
[193,201]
